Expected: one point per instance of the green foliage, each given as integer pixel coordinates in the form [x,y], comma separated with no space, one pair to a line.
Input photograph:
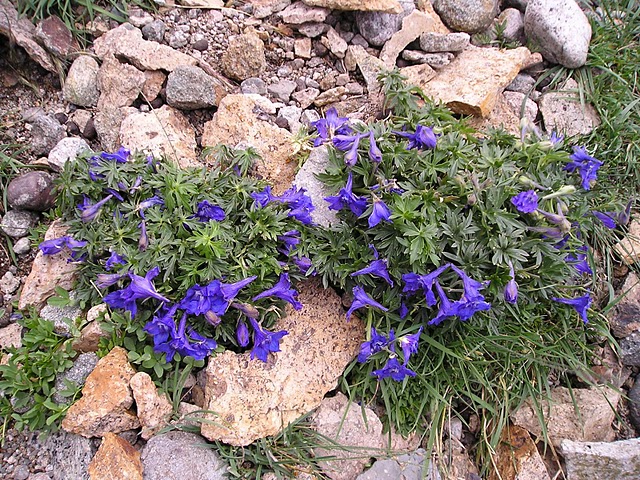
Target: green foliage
[27,381]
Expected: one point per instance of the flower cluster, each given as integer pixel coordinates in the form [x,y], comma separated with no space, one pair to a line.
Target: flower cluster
[299,203]
[393,368]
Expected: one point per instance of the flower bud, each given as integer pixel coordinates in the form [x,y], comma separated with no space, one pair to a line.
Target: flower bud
[242,334]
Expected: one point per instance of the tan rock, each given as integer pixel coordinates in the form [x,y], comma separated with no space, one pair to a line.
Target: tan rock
[426,6]
[418,75]
[413,25]
[106,400]
[264,8]
[471,83]
[501,116]
[126,41]
[517,457]
[153,81]
[564,112]
[515,101]
[629,247]
[119,83]
[164,131]
[386,6]
[369,66]
[48,272]
[580,415]
[335,43]
[115,459]
[90,336]
[255,399]
[154,410]
[330,96]
[238,120]
[302,47]
[11,336]
[244,57]
[202,3]
[107,123]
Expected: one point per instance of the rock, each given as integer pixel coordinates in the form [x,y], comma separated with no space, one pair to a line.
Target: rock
[56,37]
[387,6]
[369,66]
[264,8]
[435,60]
[332,95]
[629,247]
[239,119]
[106,399]
[189,88]
[523,83]
[471,83]
[83,365]
[48,272]
[625,316]
[153,81]
[81,117]
[253,85]
[46,132]
[9,283]
[589,419]
[178,455]
[630,349]
[634,403]
[289,116]
[90,335]
[81,84]
[407,467]
[517,457]
[201,44]
[11,336]
[345,423]
[521,5]
[31,191]
[515,101]
[164,131]
[70,455]
[335,43]
[66,150]
[61,317]
[138,17]
[306,97]
[612,461]
[22,246]
[560,29]
[298,13]
[232,379]
[302,47]
[317,162]
[178,39]
[282,90]
[119,83]
[377,27]
[564,112]
[18,223]
[244,57]
[418,75]
[312,30]
[154,410]
[433,42]
[413,25]
[202,3]
[126,41]
[116,458]
[469,16]
[154,31]
[512,22]
[21,31]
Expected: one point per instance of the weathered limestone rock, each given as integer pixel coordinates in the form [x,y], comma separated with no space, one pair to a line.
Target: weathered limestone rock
[106,399]
[116,458]
[517,457]
[253,399]
[298,13]
[154,410]
[126,41]
[107,124]
[119,83]
[369,66]
[11,336]
[501,116]
[244,57]
[152,84]
[306,178]
[164,131]
[604,461]
[238,120]
[629,247]
[387,6]
[471,83]
[596,407]
[418,75]
[81,85]
[413,25]
[90,336]
[48,272]
[563,111]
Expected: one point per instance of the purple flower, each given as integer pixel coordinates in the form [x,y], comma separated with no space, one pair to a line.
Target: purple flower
[263,198]
[346,198]
[580,261]
[304,264]
[394,370]
[299,203]
[361,299]
[377,268]
[586,165]
[246,308]
[140,288]
[557,219]
[207,212]
[379,213]
[471,286]
[350,144]
[605,218]
[376,344]
[581,304]
[611,219]
[104,280]
[414,282]
[242,334]
[149,202]
[115,193]
[409,344]
[282,290]
[328,126]
[121,156]
[289,240]
[374,152]
[467,307]
[113,260]
[51,247]
[89,211]
[447,307]
[555,138]
[143,242]
[214,297]
[403,311]
[264,341]
[422,139]
[511,289]
[526,202]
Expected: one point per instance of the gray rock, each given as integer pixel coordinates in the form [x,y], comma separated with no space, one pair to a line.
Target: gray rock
[634,403]
[444,42]
[625,316]
[31,191]
[335,43]
[313,30]
[409,466]
[70,455]
[435,60]
[201,44]
[265,8]
[317,162]
[67,150]
[244,57]
[61,317]
[178,39]
[290,117]
[9,283]
[309,116]
[560,29]
[512,21]
[18,223]
[523,83]
[604,461]
[46,132]
[563,111]
[469,16]
[81,84]
[22,246]
[254,85]
[178,455]
[516,99]
[630,350]
[282,90]
[377,27]
[299,13]
[154,31]
[519,4]
[190,88]
[83,365]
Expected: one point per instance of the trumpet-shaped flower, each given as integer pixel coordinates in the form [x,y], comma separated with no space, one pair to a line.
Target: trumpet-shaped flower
[282,290]
[214,297]
[346,198]
[422,139]
[409,344]
[379,213]
[56,245]
[113,260]
[377,268]
[586,165]
[526,202]
[207,212]
[89,211]
[140,288]
[330,125]
[264,341]
[580,304]
[242,334]
[361,299]
[289,241]
[395,370]
[511,289]
[376,344]
[374,152]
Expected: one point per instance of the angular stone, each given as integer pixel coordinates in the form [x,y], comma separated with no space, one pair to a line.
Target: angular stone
[629,247]
[302,47]
[306,97]
[434,60]
[630,349]
[46,132]
[589,419]
[11,336]
[90,335]
[332,95]
[378,27]
[407,467]
[189,88]
[56,37]
[66,150]
[106,399]
[153,81]
[202,3]
[319,330]
[239,119]
[306,178]
[298,13]
[107,126]
[282,90]
[517,457]
[418,75]
[9,283]
[244,57]
[164,131]
[119,83]
[470,85]
[387,6]
[126,41]
[116,458]
[70,455]
[625,316]
[81,85]
[369,66]
[31,191]
[47,272]
[564,112]
[513,22]
[604,461]
[312,30]
[83,365]
[515,100]
[413,25]
[62,317]
[433,42]
[264,8]
[18,223]
[335,43]
[469,16]
[154,410]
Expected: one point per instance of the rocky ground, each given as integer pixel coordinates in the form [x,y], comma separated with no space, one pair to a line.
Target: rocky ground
[181,79]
